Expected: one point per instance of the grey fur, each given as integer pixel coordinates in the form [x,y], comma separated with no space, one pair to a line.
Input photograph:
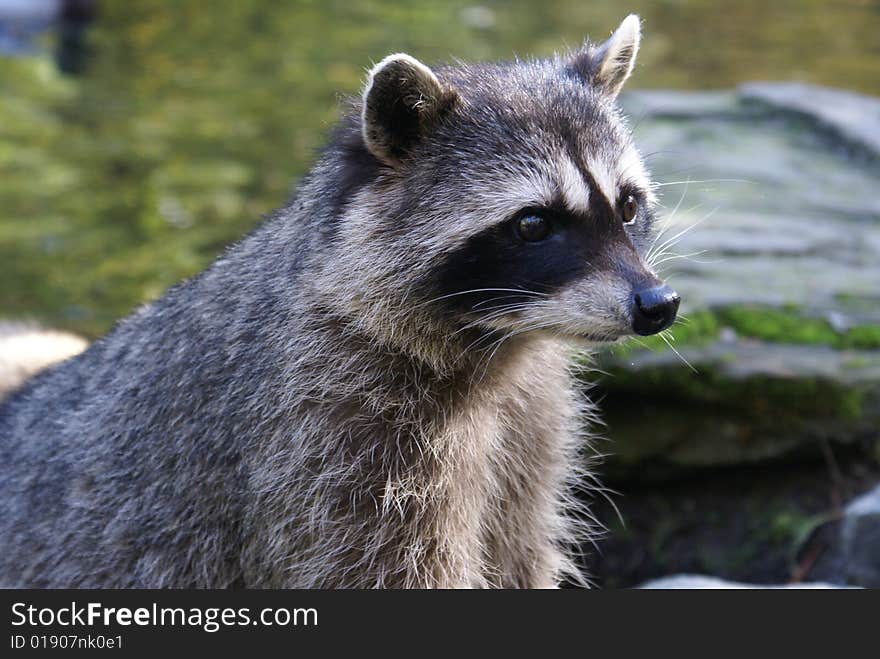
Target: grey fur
[305,413]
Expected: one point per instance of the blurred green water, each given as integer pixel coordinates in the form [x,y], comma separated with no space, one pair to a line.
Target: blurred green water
[191,119]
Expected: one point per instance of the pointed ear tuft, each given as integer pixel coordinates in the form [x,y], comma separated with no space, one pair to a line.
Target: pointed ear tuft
[609,65]
[402,101]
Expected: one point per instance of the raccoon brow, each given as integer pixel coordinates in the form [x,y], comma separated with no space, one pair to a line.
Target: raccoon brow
[630,189]
[554,209]
[557,208]
[627,189]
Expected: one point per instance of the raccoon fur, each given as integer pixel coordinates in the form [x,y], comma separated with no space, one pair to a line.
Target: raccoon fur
[372,389]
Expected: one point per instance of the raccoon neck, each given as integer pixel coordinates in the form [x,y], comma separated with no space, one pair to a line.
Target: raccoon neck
[421,452]
[421,369]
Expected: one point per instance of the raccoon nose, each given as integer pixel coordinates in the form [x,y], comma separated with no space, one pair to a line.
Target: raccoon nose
[654,309]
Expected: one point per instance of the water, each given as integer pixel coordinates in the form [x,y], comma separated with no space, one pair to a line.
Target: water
[184,124]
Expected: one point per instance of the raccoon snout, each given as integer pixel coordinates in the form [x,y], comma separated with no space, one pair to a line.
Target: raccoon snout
[654,309]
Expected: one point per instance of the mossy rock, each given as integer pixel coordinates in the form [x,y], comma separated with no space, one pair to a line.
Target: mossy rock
[745,401]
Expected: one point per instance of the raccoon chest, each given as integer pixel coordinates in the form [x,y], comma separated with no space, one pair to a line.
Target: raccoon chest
[499,493]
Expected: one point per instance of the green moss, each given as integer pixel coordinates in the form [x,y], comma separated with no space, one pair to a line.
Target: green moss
[697,327]
[760,396]
[788,324]
[791,325]
[864,337]
[778,325]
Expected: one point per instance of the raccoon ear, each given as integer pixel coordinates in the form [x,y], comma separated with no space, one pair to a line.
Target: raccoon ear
[402,100]
[610,64]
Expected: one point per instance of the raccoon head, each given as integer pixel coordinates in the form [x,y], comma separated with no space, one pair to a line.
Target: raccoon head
[503,198]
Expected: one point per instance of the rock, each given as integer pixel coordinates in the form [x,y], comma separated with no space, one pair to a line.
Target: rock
[27,349]
[766,206]
[860,541]
[771,234]
[847,548]
[669,104]
[697,581]
[851,560]
[854,117]
[839,321]
[771,209]
[748,401]
[739,359]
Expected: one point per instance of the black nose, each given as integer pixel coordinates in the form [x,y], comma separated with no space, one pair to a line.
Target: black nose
[654,310]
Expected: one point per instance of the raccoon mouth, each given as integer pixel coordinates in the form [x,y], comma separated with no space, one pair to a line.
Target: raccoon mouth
[601,339]
[589,337]
[584,337]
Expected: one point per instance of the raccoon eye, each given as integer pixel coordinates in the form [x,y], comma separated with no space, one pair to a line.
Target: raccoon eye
[629,208]
[533,228]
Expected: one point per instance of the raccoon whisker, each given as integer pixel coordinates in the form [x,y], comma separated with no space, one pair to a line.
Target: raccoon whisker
[666,222]
[499,342]
[644,345]
[662,335]
[703,261]
[680,321]
[652,257]
[637,122]
[500,297]
[500,312]
[708,180]
[502,309]
[659,152]
[485,337]
[666,274]
[657,254]
[640,342]
[494,312]
[476,342]
[489,313]
[660,256]
[482,290]
[507,335]
[680,170]
[674,239]
[674,257]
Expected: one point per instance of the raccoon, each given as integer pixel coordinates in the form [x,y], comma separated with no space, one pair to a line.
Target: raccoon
[373,388]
